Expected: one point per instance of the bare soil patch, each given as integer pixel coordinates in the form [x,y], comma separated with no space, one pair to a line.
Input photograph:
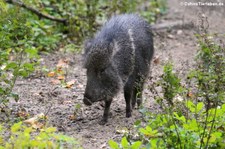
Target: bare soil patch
[39,95]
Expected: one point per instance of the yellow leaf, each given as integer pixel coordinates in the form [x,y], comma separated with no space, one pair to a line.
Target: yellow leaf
[70,84]
[190,94]
[72,117]
[34,121]
[51,74]
[61,77]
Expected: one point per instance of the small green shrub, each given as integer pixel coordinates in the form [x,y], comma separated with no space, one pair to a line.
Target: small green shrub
[191,125]
[23,137]
[17,56]
[82,17]
[21,28]
[125,144]
[15,63]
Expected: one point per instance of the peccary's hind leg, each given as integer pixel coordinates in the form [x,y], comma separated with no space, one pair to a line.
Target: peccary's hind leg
[137,97]
[134,98]
[137,92]
[128,94]
[106,112]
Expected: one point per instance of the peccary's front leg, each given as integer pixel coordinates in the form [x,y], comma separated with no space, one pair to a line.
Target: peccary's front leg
[128,93]
[106,112]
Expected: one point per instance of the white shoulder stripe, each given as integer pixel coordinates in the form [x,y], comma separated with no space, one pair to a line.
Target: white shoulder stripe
[130,33]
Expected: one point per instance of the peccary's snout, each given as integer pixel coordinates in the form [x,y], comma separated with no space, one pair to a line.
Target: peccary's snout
[87,101]
[93,90]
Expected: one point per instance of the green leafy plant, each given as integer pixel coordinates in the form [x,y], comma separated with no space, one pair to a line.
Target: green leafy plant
[78,19]
[124,144]
[191,125]
[154,9]
[22,136]
[14,64]
[18,57]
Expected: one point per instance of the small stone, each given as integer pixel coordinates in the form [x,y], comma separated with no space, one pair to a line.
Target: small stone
[179,32]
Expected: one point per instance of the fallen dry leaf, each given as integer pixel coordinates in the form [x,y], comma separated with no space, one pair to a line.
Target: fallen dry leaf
[67,102]
[80,86]
[72,117]
[156,60]
[51,74]
[61,77]
[62,64]
[55,81]
[122,130]
[23,114]
[178,99]
[59,70]
[70,83]
[38,125]
[190,94]
[34,121]
[170,36]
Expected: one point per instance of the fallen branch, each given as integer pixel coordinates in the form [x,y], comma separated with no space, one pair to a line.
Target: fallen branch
[173,25]
[168,25]
[21,4]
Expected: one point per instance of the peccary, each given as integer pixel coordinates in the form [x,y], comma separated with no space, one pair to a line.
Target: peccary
[118,57]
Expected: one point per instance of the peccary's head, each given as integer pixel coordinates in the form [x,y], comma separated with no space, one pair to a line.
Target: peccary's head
[103,81]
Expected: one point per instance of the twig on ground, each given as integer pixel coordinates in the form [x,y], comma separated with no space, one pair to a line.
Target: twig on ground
[37,12]
[173,25]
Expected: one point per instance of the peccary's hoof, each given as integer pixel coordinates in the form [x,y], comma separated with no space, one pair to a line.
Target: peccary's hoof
[87,101]
[133,105]
[128,114]
[139,102]
[102,122]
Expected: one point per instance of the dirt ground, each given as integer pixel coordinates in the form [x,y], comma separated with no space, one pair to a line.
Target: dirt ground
[39,95]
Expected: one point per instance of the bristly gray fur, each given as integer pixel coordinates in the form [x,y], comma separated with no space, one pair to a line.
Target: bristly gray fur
[118,55]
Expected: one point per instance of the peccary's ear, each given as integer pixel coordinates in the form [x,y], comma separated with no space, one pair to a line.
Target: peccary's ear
[99,56]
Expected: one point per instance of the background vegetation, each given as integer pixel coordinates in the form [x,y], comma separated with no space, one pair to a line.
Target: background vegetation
[192,113]
[29,28]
